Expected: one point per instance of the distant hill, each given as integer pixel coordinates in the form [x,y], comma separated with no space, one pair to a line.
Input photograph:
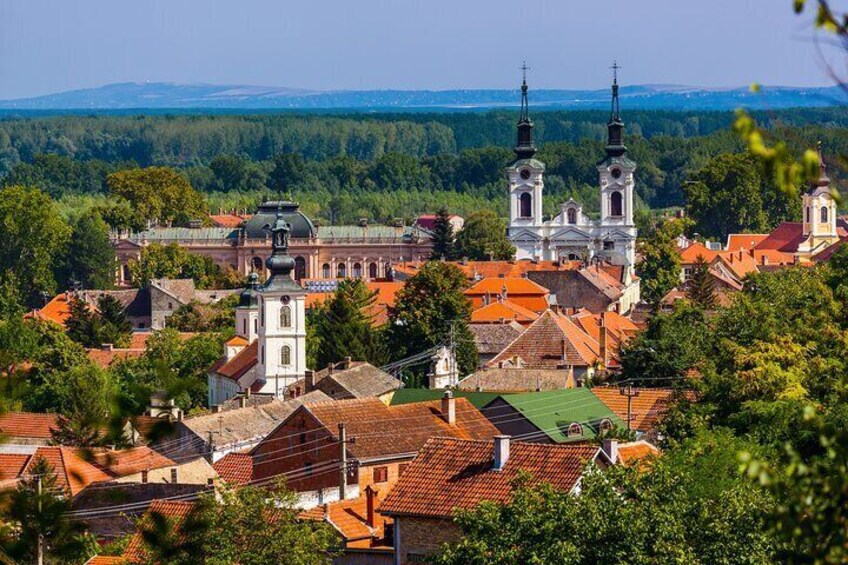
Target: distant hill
[132,95]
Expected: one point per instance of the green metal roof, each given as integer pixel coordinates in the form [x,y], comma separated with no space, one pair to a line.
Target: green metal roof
[154,235]
[408,395]
[554,411]
[534,163]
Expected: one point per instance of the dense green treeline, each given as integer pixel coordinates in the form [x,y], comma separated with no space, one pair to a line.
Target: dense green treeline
[379,167]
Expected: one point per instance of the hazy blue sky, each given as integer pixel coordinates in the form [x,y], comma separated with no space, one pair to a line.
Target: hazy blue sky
[53,45]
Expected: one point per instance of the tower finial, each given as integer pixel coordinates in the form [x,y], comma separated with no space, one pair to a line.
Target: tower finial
[524,69]
[614,111]
[525,148]
[615,127]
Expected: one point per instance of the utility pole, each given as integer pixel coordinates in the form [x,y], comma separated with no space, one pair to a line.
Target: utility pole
[39,553]
[343,443]
[629,393]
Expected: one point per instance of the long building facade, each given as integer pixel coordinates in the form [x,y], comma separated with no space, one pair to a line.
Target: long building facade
[320,252]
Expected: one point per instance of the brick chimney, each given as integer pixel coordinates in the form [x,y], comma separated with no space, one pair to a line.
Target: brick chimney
[501,452]
[370,500]
[449,408]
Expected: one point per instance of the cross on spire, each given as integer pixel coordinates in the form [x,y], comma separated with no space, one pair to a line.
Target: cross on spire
[524,69]
[615,66]
[614,110]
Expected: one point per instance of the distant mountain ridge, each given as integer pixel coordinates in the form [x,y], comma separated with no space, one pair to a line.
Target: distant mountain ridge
[162,95]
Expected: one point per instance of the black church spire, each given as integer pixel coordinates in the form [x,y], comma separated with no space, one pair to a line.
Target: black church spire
[615,127]
[524,148]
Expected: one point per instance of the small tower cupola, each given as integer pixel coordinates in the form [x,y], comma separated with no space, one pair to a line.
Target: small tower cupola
[823,181]
[615,127]
[524,149]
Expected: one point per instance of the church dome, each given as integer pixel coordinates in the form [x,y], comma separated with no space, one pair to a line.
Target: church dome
[301,226]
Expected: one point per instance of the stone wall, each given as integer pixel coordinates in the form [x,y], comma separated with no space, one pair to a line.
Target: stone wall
[421,537]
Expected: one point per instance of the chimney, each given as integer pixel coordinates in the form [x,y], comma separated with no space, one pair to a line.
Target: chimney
[347,362]
[610,448]
[449,408]
[603,340]
[501,452]
[309,380]
[370,499]
[247,392]
[242,401]
[216,408]
[330,368]
[107,347]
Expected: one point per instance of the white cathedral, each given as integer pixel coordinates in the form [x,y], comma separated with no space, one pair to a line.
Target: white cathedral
[571,234]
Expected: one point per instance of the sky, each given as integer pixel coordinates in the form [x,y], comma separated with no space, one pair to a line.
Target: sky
[49,46]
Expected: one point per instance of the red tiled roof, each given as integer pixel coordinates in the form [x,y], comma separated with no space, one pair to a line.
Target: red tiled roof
[428,221]
[173,510]
[244,360]
[739,263]
[450,474]
[636,453]
[123,462]
[647,407]
[236,340]
[828,252]
[475,270]
[690,254]
[72,471]
[105,560]
[746,241]
[229,220]
[29,425]
[785,237]
[105,358]
[235,468]
[349,517]
[11,465]
[503,310]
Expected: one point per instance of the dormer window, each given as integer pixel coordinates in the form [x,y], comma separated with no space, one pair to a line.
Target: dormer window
[606,425]
[525,174]
[571,215]
[575,430]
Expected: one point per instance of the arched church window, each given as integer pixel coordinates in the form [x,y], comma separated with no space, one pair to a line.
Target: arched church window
[325,271]
[299,268]
[616,208]
[824,213]
[372,270]
[357,270]
[525,205]
[285,355]
[571,215]
[341,271]
[285,316]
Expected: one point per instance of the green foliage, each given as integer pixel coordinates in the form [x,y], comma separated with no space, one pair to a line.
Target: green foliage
[731,195]
[428,305]
[689,506]
[158,193]
[250,526]
[442,236]
[344,326]
[700,288]
[84,398]
[91,257]
[195,317]
[92,328]
[484,238]
[32,235]
[172,261]
[660,266]
[32,511]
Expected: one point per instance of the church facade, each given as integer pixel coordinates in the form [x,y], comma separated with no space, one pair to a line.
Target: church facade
[572,234]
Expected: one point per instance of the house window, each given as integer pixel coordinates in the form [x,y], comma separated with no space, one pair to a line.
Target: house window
[144,477]
[525,205]
[174,475]
[126,269]
[341,271]
[357,270]
[262,354]
[575,430]
[285,355]
[609,245]
[325,270]
[606,425]
[372,270]
[302,438]
[824,214]
[571,214]
[307,468]
[616,208]
[285,316]
[299,268]
[262,312]
[381,474]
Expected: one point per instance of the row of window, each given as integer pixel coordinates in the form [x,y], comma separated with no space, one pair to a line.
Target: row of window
[576,430]
[823,214]
[525,207]
[326,270]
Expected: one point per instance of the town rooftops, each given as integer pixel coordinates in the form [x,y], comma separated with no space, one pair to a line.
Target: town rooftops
[240,364]
[174,511]
[647,407]
[690,254]
[554,413]
[517,380]
[744,241]
[350,518]
[27,427]
[450,474]
[493,338]
[235,468]
[500,311]
[355,379]
[72,471]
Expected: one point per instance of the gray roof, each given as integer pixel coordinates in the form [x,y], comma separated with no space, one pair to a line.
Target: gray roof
[301,226]
[168,235]
[372,233]
[535,163]
[360,380]
[516,380]
[250,423]
[493,338]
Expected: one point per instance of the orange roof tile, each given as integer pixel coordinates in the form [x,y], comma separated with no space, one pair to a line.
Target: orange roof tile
[123,462]
[503,310]
[494,286]
[647,407]
[29,425]
[349,517]
[739,263]
[105,560]
[636,453]
[229,220]
[235,468]
[72,471]
[11,465]
[244,360]
[450,474]
[105,358]
[57,310]
[773,257]
[475,270]
[690,254]
[236,340]
[785,237]
[746,241]
[172,510]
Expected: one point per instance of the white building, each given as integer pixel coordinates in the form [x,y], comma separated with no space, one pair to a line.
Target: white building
[571,234]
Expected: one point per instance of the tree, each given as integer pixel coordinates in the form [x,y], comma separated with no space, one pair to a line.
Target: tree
[175,262]
[91,257]
[427,307]
[195,317]
[37,511]
[158,194]
[250,526]
[484,238]
[81,324]
[287,173]
[700,288]
[85,397]
[345,326]
[32,235]
[442,236]
[660,266]
[115,325]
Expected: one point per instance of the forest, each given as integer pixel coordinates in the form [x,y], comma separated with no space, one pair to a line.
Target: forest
[379,166]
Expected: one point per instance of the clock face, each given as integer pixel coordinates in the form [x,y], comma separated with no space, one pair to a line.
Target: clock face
[525,174]
[616,173]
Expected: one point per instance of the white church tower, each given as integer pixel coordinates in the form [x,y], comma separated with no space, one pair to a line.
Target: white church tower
[819,212]
[247,311]
[282,318]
